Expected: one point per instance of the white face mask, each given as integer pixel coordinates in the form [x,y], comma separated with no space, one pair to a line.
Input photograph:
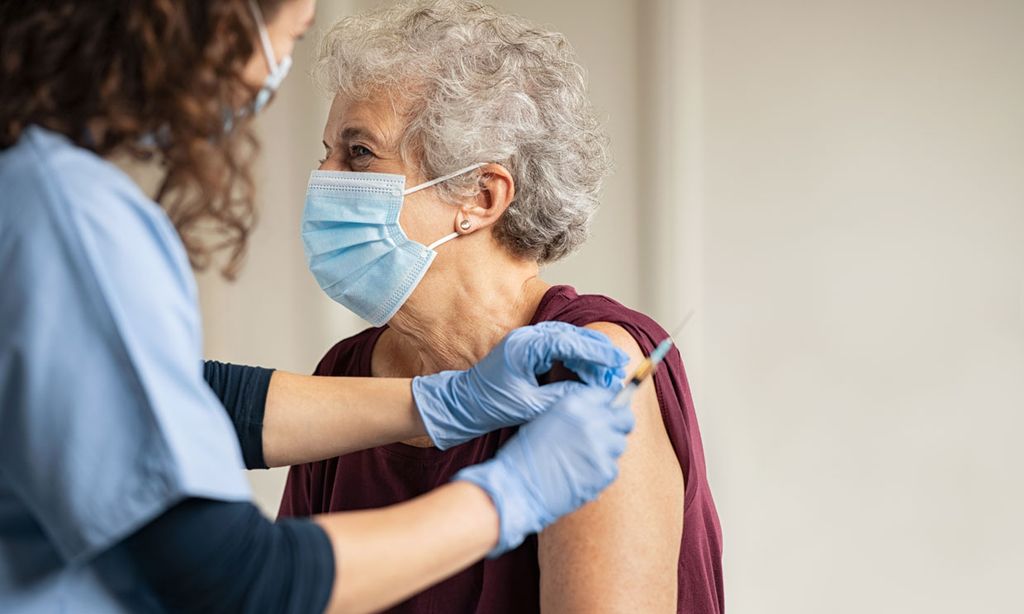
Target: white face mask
[278,70]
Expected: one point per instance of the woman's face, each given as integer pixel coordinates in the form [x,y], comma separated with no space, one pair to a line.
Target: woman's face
[285,26]
[363,136]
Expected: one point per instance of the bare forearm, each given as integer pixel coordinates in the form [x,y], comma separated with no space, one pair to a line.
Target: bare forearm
[386,555]
[311,418]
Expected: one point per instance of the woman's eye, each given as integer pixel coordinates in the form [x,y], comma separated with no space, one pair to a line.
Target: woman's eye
[358,151]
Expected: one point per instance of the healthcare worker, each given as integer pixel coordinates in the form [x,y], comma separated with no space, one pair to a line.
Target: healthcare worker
[120,488]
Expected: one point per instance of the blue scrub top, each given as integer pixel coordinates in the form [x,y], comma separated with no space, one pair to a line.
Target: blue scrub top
[105,419]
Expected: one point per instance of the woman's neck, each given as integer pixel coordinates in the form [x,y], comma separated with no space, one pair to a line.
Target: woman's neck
[459,314]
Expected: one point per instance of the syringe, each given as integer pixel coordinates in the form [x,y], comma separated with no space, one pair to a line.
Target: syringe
[648,366]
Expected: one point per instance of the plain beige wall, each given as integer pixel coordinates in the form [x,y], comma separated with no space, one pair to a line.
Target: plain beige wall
[864,269]
[836,188]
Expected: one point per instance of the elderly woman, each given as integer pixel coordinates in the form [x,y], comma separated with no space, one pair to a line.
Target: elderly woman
[486,117]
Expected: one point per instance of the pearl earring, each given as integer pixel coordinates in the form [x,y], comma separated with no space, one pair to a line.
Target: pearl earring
[465,224]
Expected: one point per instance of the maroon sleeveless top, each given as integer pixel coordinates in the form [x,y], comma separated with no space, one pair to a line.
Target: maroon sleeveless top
[510,584]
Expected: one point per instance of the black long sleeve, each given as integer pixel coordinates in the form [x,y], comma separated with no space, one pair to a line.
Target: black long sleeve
[243,392]
[217,556]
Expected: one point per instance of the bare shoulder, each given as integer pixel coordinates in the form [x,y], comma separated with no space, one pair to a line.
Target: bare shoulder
[621,338]
[617,334]
[647,412]
[620,552]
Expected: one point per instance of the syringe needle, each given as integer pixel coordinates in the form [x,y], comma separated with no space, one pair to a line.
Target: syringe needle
[625,394]
[649,364]
[679,329]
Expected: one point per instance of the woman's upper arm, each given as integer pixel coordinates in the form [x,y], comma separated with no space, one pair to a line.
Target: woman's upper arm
[620,552]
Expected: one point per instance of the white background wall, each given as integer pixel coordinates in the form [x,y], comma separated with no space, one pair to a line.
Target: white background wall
[836,187]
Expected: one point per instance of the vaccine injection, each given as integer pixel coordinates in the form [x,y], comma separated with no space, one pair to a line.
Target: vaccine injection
[648,366]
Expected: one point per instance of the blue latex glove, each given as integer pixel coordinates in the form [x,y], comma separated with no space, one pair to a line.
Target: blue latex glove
[502,389]
[554,464]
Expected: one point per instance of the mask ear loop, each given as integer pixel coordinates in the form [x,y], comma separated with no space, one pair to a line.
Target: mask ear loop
[268,48]
[433,182]
[442,240]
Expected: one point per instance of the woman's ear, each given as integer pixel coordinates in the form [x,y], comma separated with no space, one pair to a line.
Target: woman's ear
[497,191]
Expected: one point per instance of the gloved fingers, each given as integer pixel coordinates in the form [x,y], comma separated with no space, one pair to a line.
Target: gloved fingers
[619,416]
[592,408]
[612,475]
[617,446]
[558,390]
[598,375]
[548,394]
[590,353]
[623,418]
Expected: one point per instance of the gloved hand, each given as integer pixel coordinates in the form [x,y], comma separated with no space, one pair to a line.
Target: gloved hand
[554,464]
[502,389]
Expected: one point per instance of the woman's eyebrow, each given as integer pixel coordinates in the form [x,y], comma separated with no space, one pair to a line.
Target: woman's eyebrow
[358,134]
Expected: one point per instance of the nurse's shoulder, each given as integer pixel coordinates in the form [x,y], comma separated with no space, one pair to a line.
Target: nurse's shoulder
[102,391]
[53,190]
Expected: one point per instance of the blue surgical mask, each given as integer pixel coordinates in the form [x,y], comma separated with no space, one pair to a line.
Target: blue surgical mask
[278,70]
[355,247]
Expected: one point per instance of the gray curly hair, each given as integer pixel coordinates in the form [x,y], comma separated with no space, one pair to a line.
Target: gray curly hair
[482,86]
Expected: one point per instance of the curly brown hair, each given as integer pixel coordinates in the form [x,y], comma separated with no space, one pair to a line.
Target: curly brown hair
[150,79]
